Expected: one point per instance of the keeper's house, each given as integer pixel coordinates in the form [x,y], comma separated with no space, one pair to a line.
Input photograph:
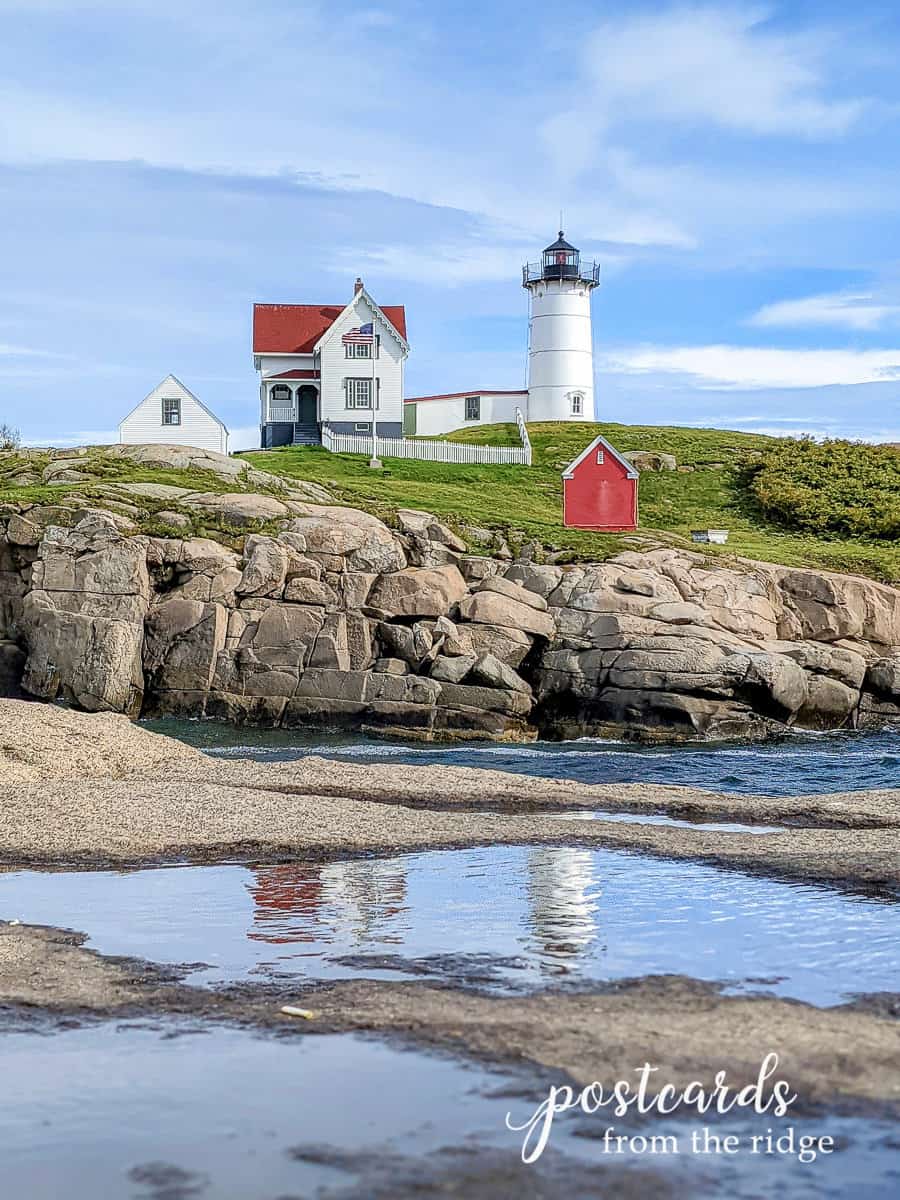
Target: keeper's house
[173,416]
[329,367]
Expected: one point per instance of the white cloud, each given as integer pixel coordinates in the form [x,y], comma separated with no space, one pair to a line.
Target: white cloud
[462,262]
[713,65]
[500,155]
[10,351]
[846,310]
[751,368]
[83,437]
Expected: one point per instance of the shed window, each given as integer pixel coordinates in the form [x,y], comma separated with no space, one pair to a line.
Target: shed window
[577,404]
[171,411]
[473,408]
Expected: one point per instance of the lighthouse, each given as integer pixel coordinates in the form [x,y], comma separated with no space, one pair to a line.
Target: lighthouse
[560,349]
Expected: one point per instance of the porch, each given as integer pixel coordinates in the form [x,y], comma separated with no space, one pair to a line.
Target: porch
[290,414]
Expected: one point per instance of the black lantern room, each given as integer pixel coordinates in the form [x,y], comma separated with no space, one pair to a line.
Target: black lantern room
[561,260]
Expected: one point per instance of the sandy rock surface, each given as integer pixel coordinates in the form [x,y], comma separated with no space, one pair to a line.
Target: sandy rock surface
[95,789]
[40,743]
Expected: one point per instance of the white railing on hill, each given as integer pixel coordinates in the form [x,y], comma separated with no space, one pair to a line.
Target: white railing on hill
[430,451]
[523,434]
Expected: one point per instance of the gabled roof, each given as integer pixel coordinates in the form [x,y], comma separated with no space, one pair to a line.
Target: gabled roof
[397,325]
[600,441]
[297,328]
[173,379]
[472,392]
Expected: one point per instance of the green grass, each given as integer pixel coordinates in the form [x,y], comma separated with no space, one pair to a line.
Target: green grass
[526,502]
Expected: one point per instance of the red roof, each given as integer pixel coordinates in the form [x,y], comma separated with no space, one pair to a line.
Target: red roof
[473,392]
[295,328]
[297,373]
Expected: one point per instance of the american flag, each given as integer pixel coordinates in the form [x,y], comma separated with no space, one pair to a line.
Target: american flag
[361,336]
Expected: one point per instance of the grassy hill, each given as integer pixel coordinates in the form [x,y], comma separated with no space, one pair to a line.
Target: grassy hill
[526,502]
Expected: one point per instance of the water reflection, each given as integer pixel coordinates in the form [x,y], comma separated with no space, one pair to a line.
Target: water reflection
[510,916]
[286,900]
[562,894]
[366,898]
[355,901]
[361,903]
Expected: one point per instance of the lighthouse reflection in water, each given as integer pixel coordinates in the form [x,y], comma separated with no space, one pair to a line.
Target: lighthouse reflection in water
[541,903]
[563,899]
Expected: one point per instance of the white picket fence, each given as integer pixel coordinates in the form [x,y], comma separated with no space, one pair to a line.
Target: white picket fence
[432,451]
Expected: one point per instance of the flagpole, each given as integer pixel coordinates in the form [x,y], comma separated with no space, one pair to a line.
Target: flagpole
[374,461]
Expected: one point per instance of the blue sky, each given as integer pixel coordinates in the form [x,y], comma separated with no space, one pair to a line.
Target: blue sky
[733,166]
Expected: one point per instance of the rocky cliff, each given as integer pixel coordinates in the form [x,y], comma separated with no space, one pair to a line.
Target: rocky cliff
[332,618]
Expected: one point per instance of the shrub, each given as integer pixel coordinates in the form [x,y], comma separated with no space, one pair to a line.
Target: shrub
[837,487]
[10,439]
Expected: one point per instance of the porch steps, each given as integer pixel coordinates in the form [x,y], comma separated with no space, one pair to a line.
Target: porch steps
[306,435]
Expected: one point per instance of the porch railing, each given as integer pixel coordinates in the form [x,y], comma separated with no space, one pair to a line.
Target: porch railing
[281,410]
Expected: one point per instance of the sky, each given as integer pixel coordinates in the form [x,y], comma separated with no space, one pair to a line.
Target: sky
[732,166]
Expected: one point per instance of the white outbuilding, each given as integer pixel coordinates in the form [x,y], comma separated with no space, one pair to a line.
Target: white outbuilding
[172,415]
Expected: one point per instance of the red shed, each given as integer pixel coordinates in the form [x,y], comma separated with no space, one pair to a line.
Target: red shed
[600,489]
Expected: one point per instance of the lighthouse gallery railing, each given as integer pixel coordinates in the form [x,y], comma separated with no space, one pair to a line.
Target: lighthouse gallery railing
[587,272]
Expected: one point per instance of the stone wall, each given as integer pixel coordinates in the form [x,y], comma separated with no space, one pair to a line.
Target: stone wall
[337,620]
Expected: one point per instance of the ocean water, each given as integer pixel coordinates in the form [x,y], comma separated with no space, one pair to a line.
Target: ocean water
[798,764]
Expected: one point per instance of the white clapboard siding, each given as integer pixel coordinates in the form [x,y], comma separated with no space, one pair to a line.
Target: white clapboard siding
[199,427]
[450,452]
[335,367]
[436,415]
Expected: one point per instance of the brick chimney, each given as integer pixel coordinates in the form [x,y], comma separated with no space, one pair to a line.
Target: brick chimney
[358,286]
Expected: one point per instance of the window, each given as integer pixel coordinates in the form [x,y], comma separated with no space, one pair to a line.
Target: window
[354,350]
[281,403]
[362,427]
[600,458]
[577,404]
[473,408]
[171,411]
[358,393]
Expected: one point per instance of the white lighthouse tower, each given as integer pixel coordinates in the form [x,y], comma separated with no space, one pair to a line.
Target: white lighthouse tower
[560,348]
